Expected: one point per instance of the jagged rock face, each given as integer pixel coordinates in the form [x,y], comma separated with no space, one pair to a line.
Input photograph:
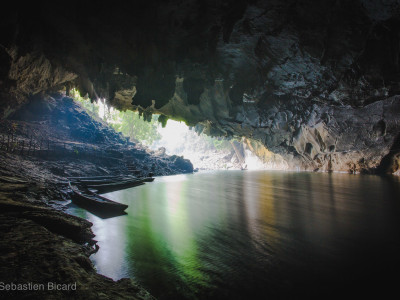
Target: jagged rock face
[312,80]
[309,135]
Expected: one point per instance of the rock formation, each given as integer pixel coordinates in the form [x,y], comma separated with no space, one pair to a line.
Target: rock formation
[314,81]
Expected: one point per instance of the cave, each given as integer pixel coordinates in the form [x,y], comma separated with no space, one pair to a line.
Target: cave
[302,95]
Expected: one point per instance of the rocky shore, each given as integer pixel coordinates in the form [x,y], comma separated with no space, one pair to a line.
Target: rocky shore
[45,251]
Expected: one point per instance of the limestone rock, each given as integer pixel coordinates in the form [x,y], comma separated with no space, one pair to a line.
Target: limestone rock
[298,76]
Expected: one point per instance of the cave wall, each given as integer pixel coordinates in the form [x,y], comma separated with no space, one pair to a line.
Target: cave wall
[308,135]
[314,81]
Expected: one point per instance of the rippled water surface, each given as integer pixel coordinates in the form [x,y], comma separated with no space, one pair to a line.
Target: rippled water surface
[254,234]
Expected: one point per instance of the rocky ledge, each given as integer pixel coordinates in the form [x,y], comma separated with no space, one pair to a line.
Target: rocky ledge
[45,253]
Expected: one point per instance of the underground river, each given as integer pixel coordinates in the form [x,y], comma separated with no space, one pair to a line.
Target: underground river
[242,234]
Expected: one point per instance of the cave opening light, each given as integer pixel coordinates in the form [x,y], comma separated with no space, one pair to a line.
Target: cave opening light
[205,152]
[175,138]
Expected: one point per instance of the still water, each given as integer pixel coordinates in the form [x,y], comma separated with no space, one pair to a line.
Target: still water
[254,234]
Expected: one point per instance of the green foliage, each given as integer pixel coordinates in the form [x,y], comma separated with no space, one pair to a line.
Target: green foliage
[92,108]
[133,126]
[219,144]
[128,122]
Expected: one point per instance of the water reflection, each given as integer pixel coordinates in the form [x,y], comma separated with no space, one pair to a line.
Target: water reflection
[235,235]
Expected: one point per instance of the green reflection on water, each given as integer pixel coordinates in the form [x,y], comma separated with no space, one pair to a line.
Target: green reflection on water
[160,239]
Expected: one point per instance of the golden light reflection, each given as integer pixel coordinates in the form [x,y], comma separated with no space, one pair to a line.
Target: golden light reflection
[260,208]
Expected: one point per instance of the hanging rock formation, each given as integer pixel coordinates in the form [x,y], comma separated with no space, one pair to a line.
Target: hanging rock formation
[314,81]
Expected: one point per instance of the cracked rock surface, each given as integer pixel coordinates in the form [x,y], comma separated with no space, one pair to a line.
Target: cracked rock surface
[274,71]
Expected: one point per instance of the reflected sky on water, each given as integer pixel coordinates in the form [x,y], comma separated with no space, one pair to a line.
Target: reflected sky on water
[241,234]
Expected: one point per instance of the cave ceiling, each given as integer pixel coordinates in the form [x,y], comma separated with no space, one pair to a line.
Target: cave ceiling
[268,70]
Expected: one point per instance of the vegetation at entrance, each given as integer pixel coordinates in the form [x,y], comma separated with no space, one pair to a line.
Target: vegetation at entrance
[92,108]
[129,123]
[145,128]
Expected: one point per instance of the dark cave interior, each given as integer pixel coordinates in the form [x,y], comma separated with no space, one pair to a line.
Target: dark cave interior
[316,83]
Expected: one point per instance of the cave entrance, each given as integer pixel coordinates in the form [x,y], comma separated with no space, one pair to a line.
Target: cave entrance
[213,153]
[175,138]
[203,151]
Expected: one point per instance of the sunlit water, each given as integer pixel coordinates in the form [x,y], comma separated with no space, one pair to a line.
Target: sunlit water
[254,234]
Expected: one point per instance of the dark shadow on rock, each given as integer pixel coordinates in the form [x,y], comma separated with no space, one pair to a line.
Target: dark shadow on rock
[390,162]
